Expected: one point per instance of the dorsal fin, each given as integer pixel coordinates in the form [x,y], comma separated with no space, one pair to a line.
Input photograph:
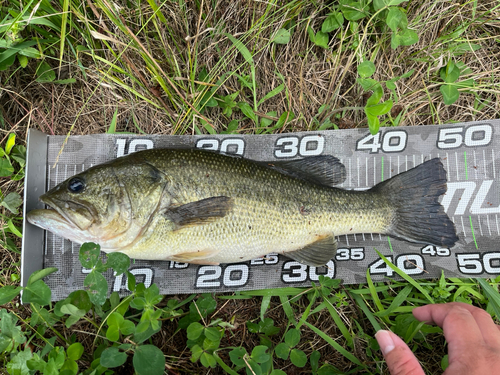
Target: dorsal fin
[323,170]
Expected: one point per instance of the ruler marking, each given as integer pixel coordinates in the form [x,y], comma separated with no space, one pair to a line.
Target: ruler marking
[366,172]
[472,229]
[456,166]
[448,165]
[350,173]
[346,171]
[475,164]
[56,182]
[347,240]
[493,160]
[364,239]
[57,175]
[357,162]
[382,169]
[498,229]
[48,179]
[390,166]
[465,165]
[488,222]
[53,243]
[47,187]
[485,172]
[463,226]
[480,227]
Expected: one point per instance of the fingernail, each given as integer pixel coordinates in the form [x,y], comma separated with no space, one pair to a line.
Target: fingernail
[385,341]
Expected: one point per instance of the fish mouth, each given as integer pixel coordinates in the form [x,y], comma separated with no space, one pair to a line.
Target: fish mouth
[48,218]
[70,213]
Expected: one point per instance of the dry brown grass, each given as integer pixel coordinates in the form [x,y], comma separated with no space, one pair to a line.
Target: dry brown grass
[313,76]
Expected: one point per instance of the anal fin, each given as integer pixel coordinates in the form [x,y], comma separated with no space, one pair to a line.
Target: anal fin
[316,254]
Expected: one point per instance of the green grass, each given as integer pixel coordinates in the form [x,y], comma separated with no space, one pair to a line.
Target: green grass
[208,67]
[308,328]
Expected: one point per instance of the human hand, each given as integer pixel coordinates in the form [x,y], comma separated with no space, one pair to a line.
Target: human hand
[473,341]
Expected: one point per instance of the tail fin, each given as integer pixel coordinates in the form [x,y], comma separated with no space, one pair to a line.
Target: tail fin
[414,194]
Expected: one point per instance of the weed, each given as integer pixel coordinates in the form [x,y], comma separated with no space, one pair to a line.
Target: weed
[450,75]
[12,163]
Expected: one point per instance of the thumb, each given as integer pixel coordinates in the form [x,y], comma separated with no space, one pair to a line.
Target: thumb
[398,355]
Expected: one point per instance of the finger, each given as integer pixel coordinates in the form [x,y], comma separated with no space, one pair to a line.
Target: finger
[459,326]
[397,354]
[437,313]
[487,326]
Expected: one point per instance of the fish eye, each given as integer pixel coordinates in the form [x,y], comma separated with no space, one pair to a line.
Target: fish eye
[76,185]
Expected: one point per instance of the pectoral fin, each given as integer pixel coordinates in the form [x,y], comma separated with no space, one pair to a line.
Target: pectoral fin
[316,254]
[196,257]
[199,212]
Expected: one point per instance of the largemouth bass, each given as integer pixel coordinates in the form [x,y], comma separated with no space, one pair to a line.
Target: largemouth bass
[201,207]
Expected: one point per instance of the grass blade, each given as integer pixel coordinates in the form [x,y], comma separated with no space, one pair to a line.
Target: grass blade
[241,48]
[468,290]
[266,300]
[224,366]
[492,294]
[334,344]
[112,125]
[249,59]
[271,93]
[64,22]
[157,11]
[361,303]
[397,301]
[307,311]
[338,322]
[373,291]
[287,308]
[405,276]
